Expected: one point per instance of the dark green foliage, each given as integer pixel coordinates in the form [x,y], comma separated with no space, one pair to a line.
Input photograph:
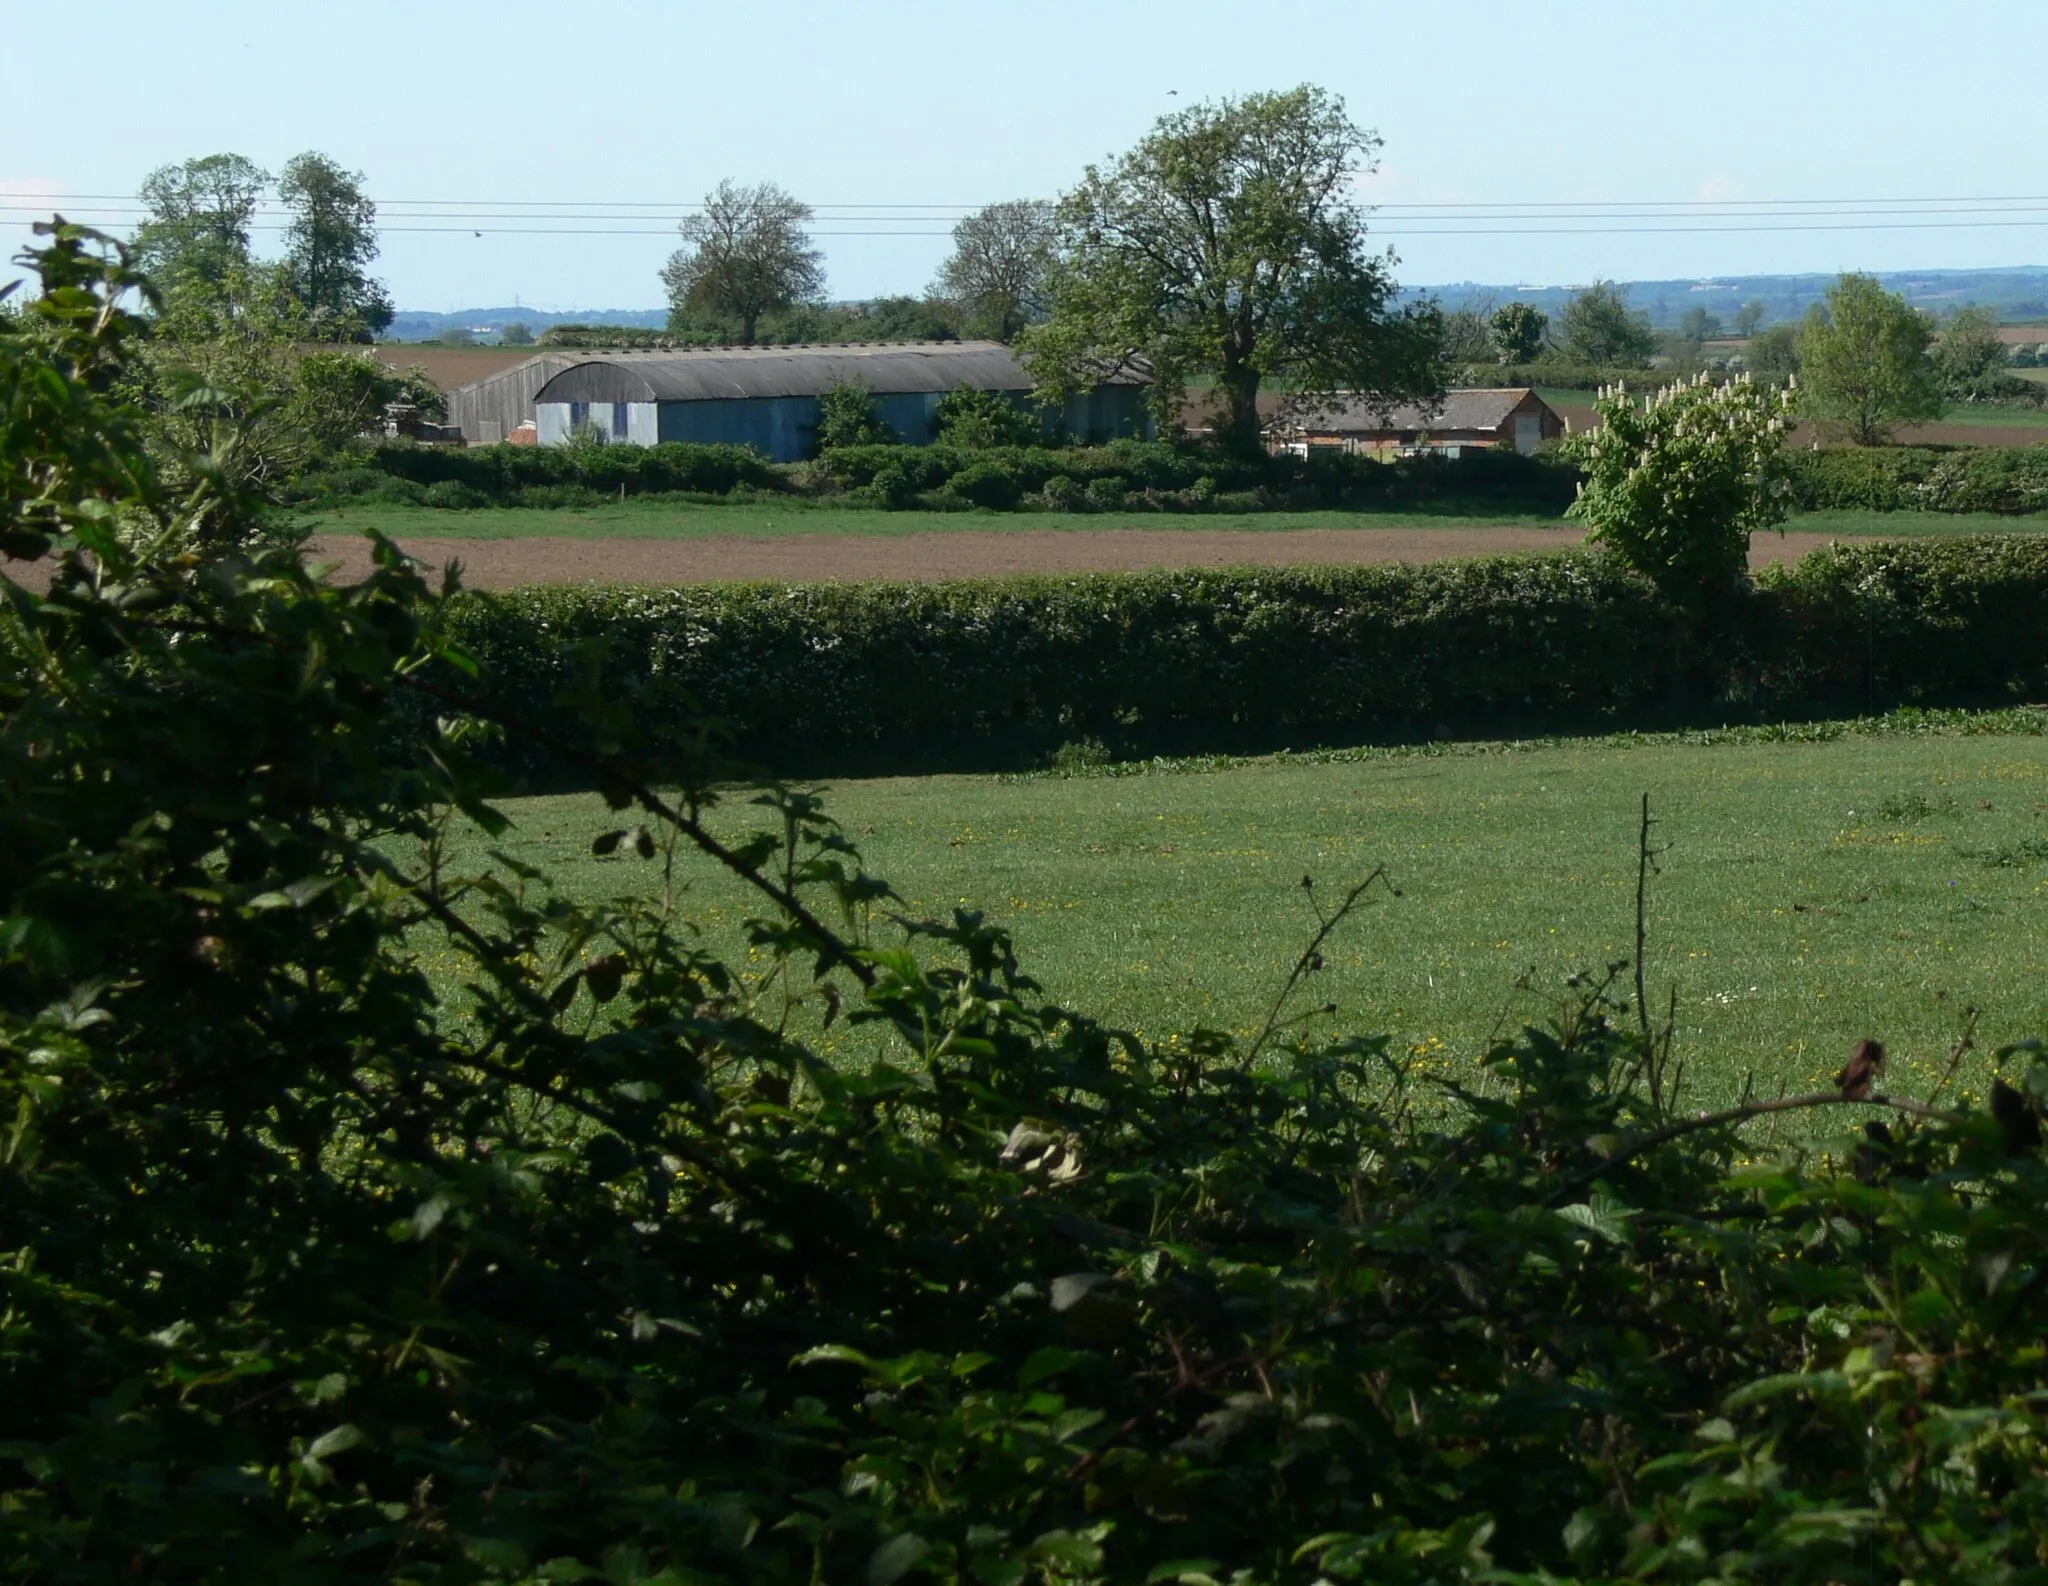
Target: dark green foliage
[569,334]
[988,486]
[1001,671]
[1152,475]
[1004,670]
[968,417]
[1165,477]
[594,1272]
[329,245]
[1970,361]
[1598,327]
[521,475]
[847,417]
[2009,479]
[1557,372]
[1517,331]
[197,214]
[1774,353]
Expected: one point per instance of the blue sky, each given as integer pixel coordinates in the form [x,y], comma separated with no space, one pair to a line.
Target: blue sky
[619,103]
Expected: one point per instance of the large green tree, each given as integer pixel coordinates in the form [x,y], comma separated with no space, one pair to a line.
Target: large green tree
[195,233]
[1697,325]
[1970,358]
[745,254]
[1773,353]
[1229,245]
[1517,332]
[1599,327]
[995,277]
[329,244]
[1468,334]
[1864,361]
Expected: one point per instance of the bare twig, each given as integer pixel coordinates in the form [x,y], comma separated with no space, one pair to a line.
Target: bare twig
[1965,1044]
[1643,864]
[1311,958]
[833,948]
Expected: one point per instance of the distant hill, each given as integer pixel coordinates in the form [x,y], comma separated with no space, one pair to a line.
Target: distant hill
[2020,292]
[417,324]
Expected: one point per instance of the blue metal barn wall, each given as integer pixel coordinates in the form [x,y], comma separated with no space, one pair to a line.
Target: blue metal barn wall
[781,427]
[785,429]
[635,423]
[1108,413]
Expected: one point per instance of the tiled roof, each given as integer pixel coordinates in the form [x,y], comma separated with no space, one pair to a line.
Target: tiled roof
[1461,410]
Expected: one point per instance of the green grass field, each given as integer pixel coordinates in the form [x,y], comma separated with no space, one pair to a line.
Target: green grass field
[664,520]
[1809,893]
[1861,524]
[1992,415]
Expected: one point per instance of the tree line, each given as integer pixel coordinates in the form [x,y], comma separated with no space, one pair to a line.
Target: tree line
[1226,255]
[194,242]
[1227,251]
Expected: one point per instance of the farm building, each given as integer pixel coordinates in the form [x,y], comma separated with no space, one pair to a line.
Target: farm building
[1515,417]
[490,409]
[767,397]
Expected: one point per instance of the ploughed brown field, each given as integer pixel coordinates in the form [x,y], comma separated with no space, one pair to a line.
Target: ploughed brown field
[507,564]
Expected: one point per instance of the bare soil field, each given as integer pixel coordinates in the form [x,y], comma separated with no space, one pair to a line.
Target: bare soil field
[507,564]
[449,367]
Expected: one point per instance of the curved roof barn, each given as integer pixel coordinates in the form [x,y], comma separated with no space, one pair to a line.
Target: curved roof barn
[770,398]
[714,374]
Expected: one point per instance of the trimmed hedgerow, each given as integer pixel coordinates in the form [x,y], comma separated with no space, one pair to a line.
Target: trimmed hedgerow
[1133,476]
[1001,671]
[535,475]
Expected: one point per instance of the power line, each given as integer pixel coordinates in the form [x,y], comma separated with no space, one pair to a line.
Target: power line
[1524,218]
[684,206]
[1379,231]
[2012,207]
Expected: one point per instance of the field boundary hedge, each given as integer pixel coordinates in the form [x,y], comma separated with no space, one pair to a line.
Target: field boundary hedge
[1126,476]
[1120,476]
[999,673]
[2003,479]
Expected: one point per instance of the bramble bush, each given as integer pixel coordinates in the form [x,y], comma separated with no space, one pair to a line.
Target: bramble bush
[590,1270]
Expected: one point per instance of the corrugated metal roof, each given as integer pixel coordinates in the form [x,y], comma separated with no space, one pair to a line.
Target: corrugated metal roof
[709,374]
[1461,410]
